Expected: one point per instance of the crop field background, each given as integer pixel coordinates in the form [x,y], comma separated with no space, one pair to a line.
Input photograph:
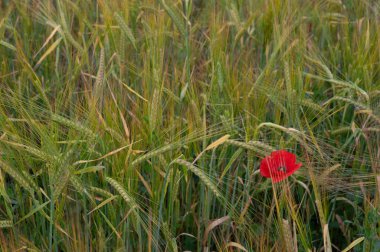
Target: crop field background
[141,125]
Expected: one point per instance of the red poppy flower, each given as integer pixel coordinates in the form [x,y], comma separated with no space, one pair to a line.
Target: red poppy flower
[279,165]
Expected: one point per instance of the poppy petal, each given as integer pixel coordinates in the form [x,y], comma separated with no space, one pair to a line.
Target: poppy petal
[284,155]
[279,165]
[264,168]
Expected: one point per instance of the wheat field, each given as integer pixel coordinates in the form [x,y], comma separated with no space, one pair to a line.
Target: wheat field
[131,125]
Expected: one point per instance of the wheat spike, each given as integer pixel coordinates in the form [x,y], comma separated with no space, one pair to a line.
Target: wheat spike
[16,176]
[288,235]
[99,84]
[74,125]
[154,153]
[208,182]
[252,146]
[127,198]
[6,224]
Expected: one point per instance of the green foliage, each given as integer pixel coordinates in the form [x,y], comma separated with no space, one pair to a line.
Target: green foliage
[140,125]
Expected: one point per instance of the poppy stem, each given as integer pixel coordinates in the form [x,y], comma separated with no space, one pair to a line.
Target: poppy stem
[279,217]
[288,198]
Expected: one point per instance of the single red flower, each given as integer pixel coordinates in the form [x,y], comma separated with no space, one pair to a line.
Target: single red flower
[279,165]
